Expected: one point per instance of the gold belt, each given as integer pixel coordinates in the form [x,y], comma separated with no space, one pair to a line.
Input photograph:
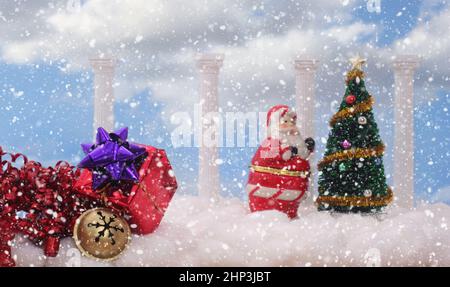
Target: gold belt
[277,171]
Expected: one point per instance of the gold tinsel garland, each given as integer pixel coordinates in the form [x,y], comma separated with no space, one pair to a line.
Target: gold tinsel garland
[352,153]
[357,201]
[347,112]
[265,169]
[355,73]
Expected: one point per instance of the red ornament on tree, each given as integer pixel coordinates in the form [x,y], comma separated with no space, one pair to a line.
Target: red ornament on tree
[350,99]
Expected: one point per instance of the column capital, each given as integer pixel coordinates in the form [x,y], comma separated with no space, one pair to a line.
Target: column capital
[209,63]
[103,65]
[406,63]
[304,63]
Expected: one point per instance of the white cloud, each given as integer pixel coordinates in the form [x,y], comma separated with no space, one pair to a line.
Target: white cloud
[251,72]
[257,37]
[430,40]
[21,54]
[165,26]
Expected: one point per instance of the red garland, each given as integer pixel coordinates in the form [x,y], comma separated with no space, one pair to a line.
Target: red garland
[37,201]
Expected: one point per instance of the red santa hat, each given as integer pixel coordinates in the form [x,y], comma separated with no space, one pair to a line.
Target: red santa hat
[277,112]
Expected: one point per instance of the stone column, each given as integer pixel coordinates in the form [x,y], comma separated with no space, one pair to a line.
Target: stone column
[208,181]
[404,66]
[103,93]
[305,72]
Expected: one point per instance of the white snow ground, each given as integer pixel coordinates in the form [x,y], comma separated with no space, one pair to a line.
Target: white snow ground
[194,233]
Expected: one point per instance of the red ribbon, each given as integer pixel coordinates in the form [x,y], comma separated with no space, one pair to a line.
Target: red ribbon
[6,236]
[38,202]
[51,246]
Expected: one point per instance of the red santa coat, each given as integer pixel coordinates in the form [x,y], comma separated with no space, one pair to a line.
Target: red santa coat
[276,182]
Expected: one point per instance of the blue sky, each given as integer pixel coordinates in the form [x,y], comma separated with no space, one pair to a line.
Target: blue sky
[46,110]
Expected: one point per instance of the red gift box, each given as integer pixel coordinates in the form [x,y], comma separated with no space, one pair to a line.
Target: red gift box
[143,203]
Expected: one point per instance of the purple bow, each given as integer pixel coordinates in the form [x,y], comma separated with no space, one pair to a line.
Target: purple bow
[111,157]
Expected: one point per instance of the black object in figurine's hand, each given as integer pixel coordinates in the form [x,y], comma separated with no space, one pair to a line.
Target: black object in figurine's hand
[310,144]
[294,150]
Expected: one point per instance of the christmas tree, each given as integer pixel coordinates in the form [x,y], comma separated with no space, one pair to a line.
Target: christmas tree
[351,174]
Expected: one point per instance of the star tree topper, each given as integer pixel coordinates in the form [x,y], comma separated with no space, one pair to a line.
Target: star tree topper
[357,62]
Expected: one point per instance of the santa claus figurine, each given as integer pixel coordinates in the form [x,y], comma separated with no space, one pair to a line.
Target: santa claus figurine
[279,171]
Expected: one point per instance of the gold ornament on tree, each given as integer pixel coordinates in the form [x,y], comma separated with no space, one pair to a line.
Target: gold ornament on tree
[362,120]
[101,234]
[367,193]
